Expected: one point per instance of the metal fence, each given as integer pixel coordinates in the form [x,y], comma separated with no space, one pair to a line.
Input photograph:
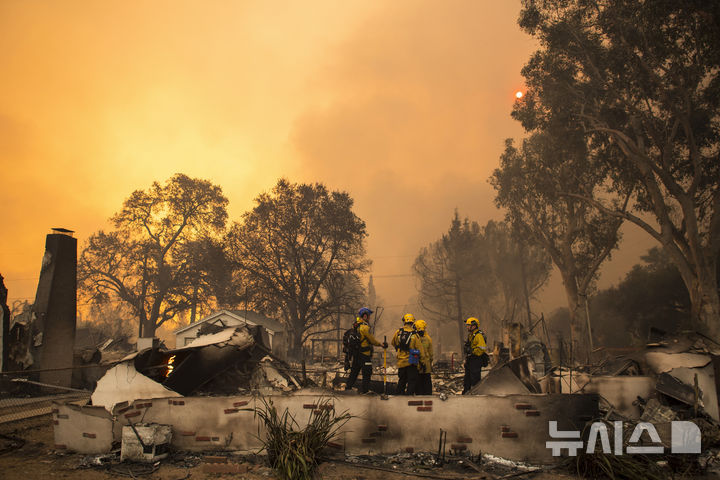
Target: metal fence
[23,399]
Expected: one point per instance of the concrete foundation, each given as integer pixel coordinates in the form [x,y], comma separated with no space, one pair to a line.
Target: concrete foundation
[511,426]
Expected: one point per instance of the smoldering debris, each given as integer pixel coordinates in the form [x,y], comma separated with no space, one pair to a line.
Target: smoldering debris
[458,465]
[665,382]
[224,362]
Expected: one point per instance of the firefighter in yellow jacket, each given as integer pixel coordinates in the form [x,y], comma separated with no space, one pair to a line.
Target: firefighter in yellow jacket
[424,380]
[476,355]
[362,359]
[409,353]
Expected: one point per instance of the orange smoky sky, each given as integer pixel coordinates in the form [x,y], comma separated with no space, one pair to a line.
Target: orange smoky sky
[404,104]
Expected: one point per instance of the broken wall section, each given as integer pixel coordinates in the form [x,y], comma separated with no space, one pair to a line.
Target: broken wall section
[511,426]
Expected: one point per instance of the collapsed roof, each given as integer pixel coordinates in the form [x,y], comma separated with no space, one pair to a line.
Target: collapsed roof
[159,373]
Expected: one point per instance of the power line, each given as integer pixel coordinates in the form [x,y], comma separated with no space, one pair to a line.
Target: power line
[78,304]
[401,305]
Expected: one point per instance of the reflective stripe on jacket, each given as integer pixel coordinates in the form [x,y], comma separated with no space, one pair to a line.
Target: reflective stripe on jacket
[476,344]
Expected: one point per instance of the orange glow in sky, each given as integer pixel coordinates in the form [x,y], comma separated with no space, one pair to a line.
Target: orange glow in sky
[403,104]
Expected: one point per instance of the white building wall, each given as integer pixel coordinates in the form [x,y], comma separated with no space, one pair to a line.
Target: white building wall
[186,336]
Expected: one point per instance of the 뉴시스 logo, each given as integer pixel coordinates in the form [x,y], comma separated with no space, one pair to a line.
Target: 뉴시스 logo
[685,438]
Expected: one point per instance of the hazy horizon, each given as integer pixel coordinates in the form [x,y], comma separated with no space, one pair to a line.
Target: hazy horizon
[405,106]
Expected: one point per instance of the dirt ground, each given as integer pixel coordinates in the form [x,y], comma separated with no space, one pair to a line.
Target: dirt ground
[33,456]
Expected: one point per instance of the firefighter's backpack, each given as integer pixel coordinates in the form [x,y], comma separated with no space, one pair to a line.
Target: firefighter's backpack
[404,339]
[351,341]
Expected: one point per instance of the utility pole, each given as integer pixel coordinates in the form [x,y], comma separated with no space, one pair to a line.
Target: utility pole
[339,350]
[193,310]
[584,296]
[524,282]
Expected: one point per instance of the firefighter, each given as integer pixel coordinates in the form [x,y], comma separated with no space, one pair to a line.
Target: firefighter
[409,352]
[362,359]
[425,368]
[476,355]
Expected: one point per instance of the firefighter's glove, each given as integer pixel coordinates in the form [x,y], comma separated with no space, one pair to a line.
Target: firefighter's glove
[385,345]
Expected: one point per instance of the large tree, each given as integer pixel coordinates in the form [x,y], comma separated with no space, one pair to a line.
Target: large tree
[520,269]
[301,251]
[533,183]
[641,77]
[152,261]
[652,294]
[215,286]
[110,320]
[454,275]
[485,272]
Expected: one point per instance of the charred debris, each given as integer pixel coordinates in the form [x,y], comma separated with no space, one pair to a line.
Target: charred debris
[672,378]
[224,361]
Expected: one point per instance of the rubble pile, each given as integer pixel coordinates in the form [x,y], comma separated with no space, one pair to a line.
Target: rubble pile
[678,376]
[657,466]
[671,380]
[222,362]
[682,368]
[448,384]
[423,464]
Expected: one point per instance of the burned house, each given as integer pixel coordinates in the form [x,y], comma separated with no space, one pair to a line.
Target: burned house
[190,389]
[234,318]
[203,396]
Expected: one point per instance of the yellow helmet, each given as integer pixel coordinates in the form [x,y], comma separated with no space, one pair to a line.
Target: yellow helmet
[420,325]
[408,318]
[473,320]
